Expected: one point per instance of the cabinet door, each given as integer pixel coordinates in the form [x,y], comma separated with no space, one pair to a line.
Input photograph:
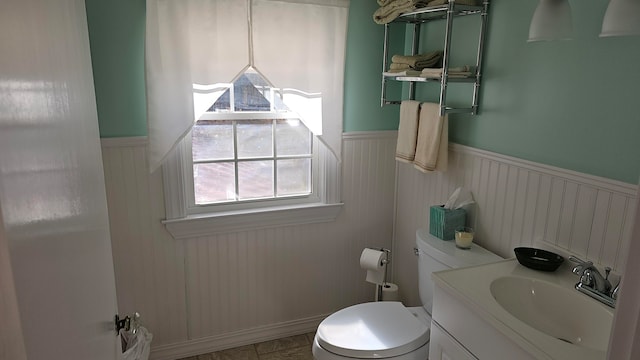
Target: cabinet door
[443,346]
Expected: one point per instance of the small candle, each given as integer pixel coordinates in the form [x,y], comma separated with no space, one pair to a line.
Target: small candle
[464,237]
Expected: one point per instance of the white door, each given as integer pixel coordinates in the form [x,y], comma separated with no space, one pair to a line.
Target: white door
[624,343]
[52,194]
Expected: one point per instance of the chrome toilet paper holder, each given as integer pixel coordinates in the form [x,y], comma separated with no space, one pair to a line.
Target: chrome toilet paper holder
[385,262]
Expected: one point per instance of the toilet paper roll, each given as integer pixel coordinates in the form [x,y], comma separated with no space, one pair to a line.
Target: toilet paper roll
[390,292]
[371,260]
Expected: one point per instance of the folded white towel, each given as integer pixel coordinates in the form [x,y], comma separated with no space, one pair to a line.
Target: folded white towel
[420,61]
[396,66]
[389,12]
[459,72]
[465,68]
[402,73]
[407,131]
[433,139]
[460,2]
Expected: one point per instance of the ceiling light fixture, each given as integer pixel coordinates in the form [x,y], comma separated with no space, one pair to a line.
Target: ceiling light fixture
[551,21]
[622,18]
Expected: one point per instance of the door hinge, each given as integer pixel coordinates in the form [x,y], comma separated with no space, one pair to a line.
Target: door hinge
[128,323]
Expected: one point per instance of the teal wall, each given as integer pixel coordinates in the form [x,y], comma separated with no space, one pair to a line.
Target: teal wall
[116,34]
[363,68]
[567,104]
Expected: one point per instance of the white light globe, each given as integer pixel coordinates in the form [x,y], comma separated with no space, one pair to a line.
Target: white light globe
[551,21]
[622,18]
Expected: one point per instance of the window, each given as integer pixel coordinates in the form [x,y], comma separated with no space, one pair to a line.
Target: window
[247,158]
[243,160]
[249,146]
[265,149]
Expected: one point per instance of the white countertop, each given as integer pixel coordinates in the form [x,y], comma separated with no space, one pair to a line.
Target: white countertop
[472,286]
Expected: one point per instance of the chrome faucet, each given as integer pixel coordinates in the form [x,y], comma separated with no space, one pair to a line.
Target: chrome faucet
[592,282]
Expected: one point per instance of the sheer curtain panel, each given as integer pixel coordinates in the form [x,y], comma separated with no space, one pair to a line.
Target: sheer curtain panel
[196,48]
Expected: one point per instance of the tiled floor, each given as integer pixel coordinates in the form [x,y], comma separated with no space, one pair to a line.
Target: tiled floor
[291,348]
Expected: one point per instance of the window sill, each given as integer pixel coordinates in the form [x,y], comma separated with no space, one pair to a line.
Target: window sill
[218,223]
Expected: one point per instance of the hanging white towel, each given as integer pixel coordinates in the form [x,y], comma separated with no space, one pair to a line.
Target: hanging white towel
[433,139]
[407,131]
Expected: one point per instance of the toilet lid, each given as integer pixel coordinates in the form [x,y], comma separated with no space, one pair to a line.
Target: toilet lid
[372,330]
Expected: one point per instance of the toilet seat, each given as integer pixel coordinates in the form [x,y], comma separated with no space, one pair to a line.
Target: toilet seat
[374,330]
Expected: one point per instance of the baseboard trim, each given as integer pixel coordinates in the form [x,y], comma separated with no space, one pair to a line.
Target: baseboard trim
[234,339]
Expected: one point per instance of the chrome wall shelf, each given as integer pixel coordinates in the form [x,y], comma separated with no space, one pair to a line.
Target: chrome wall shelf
[448,13]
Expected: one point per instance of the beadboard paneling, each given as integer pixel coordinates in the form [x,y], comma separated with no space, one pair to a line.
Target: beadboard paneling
[518,202]
[212,292]
[148,263]
[254,278]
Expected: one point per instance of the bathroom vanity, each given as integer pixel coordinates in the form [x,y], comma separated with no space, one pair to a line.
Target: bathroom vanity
[506,311]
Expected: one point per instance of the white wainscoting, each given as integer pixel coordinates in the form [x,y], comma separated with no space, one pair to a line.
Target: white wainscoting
[214,292]
[148,263]
[517,202]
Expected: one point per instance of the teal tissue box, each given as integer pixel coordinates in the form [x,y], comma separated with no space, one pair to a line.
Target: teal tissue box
[444,222]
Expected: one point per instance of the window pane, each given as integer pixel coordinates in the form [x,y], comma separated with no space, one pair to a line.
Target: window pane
[255,179]
[255,139]
[294,177]
[212,140]
[292,138]
[251,93]
[214,182]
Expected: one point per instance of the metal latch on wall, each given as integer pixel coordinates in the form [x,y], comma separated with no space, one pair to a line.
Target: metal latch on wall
[128,323]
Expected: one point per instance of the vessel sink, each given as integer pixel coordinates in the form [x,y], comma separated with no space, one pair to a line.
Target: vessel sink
[560,312]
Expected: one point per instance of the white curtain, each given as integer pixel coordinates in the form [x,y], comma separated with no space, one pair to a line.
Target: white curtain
[195,47]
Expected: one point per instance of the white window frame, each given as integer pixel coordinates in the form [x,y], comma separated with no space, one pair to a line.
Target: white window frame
[193,208]
[184,219]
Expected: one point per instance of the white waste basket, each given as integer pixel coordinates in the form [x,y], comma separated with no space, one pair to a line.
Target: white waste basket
[136,346]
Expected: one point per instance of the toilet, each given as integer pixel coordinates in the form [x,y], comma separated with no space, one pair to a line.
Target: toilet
[388,329]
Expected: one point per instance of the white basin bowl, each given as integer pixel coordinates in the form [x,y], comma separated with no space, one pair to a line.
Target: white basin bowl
[556,311]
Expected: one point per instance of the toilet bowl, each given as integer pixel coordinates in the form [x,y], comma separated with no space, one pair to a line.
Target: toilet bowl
[388,329]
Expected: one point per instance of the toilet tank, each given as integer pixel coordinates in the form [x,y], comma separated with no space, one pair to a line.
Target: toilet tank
[435,254]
